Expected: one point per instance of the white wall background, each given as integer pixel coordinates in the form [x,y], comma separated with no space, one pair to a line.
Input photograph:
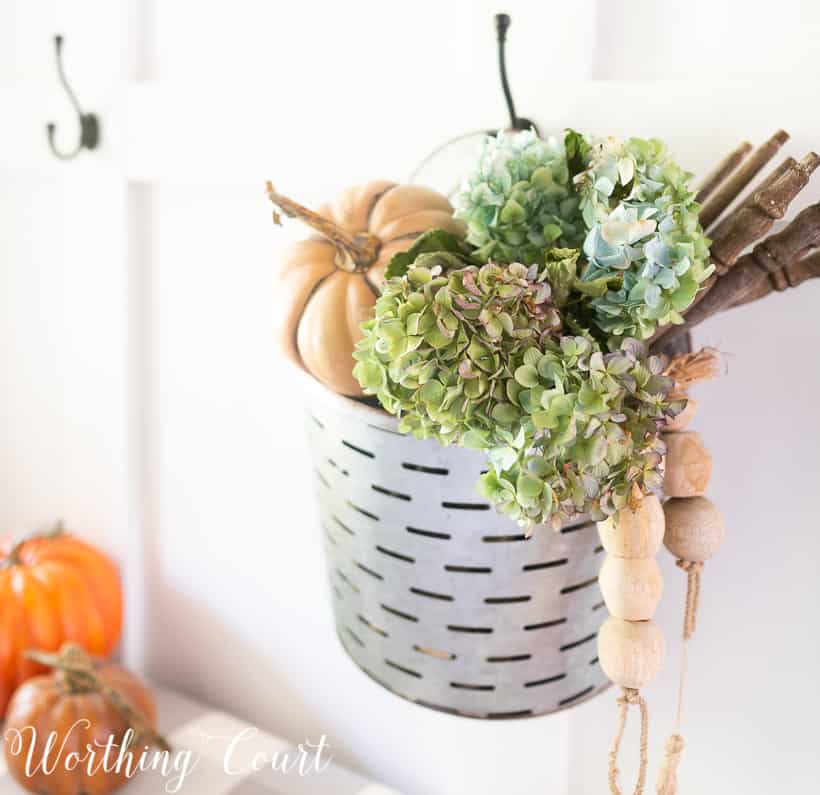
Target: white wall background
[142,401]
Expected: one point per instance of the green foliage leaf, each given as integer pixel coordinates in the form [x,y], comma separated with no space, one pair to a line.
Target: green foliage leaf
[434,241]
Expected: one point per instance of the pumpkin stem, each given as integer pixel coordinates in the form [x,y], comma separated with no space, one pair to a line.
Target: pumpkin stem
[359,252]
[76,669]
[14,558]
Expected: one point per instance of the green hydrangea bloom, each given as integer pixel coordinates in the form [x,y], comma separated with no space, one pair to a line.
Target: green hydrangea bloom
[519,200]
[475,356]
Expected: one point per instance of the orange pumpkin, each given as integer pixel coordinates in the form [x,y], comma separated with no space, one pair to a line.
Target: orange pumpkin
[81,704]
[54,588]
[329,284]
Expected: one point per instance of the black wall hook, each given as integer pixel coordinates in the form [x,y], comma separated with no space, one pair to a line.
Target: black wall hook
[502,24]
[89,123]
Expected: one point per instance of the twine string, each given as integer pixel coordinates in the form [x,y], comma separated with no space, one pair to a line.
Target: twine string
[667,782]
[692,569]
[630,697]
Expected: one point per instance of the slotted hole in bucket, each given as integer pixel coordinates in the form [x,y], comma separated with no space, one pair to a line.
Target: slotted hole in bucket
[469,569]
[347,581]
[545,624]
[354,636]
[580,585]
[465,506]
[399,613]
[594,661]
[547,564]
[506,600]
[384,430]
[390,493]
[372,627]
[548,681]
[336,466]
[408,671]
[467,686]
[439,655]
[576,643]
[504,539]
[318,422]
[342,525]
[322,479]
[366,570]
[522,713]
[571,528]
[330,537]
[397,555]
[470,630]
[363,511]
[425,469]
[358,449]
[432,594]
[598,605]
[428,533]
[509,658]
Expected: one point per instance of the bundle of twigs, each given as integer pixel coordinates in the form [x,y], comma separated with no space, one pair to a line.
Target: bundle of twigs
[776,262]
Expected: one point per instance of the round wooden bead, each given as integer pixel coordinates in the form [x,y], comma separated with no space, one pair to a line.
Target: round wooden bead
[631,588]
[694,528]
[688,465]
[630,652]
[634,534]
[681,422]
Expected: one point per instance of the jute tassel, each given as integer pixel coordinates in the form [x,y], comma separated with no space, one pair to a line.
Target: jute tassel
[667,783]
[630,696]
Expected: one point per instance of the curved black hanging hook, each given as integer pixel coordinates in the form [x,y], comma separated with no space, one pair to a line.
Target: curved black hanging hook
[502,24]
[89,123]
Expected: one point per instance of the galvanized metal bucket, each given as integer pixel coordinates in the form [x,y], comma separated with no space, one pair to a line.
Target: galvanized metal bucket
[436,596]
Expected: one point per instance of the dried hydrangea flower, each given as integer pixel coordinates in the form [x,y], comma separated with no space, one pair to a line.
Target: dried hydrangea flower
[519,200]
[475,356]
[626,203]
[642,222]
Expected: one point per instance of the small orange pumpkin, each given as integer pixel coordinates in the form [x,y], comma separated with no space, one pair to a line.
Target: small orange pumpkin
[329,284]
[79,706]
[54,588]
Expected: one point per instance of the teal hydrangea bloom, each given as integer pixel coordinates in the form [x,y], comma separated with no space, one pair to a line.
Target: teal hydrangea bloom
[625,203]
[642,222]
[519,200]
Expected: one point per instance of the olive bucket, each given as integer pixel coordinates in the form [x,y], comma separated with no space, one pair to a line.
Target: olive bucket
[436,596]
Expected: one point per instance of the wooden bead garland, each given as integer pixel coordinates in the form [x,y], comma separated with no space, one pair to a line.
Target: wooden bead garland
[694,528]
[631,587]
[631,652]
[630,645]
[634,534]
[688,465]
[694,533]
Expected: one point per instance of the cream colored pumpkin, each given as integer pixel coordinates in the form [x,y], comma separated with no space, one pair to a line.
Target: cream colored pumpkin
[328,284]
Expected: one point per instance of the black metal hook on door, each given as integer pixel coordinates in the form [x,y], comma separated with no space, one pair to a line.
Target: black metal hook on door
[502,24]
[89,123]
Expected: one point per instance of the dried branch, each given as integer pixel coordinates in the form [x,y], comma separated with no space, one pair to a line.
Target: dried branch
[719,230]
[753,270]
[732,188]
[793,275]
[722,170]
[753,219]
